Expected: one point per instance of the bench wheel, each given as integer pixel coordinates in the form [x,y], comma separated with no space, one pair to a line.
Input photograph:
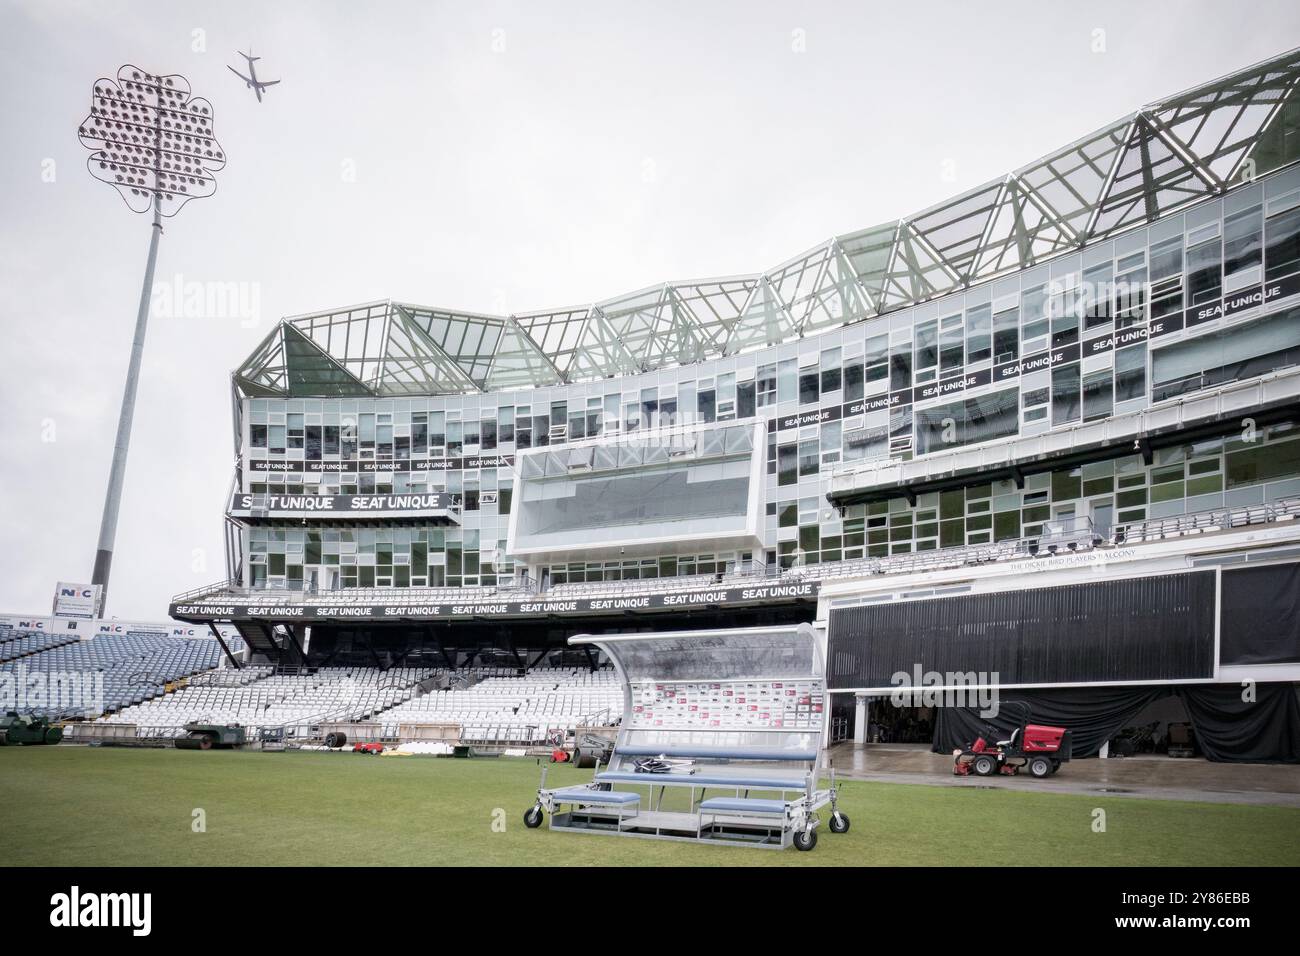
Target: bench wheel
[839,822]
[805,839]
[533,817]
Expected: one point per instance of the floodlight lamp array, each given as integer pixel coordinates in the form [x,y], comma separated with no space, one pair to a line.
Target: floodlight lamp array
[151,140]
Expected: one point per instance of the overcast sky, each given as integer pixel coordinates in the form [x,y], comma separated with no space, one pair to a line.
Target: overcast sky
[491,156]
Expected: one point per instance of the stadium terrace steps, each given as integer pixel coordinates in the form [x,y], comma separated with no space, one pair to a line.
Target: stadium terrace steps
[267,699]
[529,710]
[132,668]
[494,706]
[18,644]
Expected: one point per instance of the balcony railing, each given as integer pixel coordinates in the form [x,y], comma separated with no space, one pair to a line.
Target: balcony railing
[1060,535]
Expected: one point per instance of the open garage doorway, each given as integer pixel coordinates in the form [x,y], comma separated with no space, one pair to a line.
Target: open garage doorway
[1163,728]
[889,723]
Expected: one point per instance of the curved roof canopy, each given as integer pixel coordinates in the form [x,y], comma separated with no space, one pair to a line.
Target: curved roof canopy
[1162,157]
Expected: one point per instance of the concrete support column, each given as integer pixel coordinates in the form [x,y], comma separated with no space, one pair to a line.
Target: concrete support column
[860,720]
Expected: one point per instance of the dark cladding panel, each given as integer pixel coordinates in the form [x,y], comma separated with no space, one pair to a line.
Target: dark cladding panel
[1152,628]
[1260,615]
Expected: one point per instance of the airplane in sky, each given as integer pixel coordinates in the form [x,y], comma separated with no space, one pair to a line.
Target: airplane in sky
[254,84]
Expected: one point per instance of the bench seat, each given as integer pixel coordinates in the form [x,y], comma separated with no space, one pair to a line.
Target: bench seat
[743,805]
[752,781]
[726,753]
[596,797]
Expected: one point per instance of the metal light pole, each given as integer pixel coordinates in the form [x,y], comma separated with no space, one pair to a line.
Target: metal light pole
[154,143]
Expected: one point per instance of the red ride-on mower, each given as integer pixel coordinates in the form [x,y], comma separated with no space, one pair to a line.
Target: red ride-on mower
[1040,749]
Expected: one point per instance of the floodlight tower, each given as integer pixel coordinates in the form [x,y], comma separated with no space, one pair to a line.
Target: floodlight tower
[154,143]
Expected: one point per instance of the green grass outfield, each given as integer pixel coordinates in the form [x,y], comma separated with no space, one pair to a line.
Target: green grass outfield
[104,806]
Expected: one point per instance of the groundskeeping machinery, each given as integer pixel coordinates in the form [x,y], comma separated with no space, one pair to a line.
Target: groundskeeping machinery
[207,736]
[1034,747]
[23,729]
[720,743]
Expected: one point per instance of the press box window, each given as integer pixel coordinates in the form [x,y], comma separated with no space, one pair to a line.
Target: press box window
[707,405]
[1006,335]
[853,382]
[830,368]
[1097,296]
[787,380]
[967,422]
[1131,292]
[900,366]
[1035,404]
[831,434]
[726,392]
[766,385]
[1065,394]
[1065,309]
[787,464]
[979,334]
[809,381]
[950,344]
[1205,272]
[809,458]
[1243,351]
[927,349]
[1282,252]
[1131,373]
[1098,395]
[1242,249]
[1033,315]
[872,442]
[876,363]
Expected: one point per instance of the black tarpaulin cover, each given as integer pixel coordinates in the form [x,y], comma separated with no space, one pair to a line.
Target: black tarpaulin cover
[1260,615]
[1227,728]
[1092,715]
[1121,632]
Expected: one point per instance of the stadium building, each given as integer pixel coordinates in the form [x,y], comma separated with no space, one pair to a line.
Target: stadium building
[1044,432]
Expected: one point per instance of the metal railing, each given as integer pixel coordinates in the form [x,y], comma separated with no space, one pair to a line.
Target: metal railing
[1072,533]
[1200,522]
[217,587]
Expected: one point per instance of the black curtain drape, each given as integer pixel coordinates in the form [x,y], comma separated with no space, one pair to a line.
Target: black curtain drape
[1159,627]
[1228,729]
[1260,615]
[1266,730]
[1092,715]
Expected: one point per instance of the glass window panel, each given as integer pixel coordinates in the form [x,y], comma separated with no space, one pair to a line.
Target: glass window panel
[1065,394]
[1006,336]
[1131,372]
[979,334]
[1033,313]
[927,345]
[1098,395]
[1282,257]
[1243,241]
[1205,272]
[967,422]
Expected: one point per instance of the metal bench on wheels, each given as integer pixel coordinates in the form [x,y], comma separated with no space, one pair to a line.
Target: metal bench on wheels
[739,711]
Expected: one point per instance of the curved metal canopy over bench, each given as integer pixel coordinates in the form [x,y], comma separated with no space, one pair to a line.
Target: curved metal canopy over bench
[740,711]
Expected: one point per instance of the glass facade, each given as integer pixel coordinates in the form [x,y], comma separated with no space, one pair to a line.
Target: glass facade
[1187,303]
